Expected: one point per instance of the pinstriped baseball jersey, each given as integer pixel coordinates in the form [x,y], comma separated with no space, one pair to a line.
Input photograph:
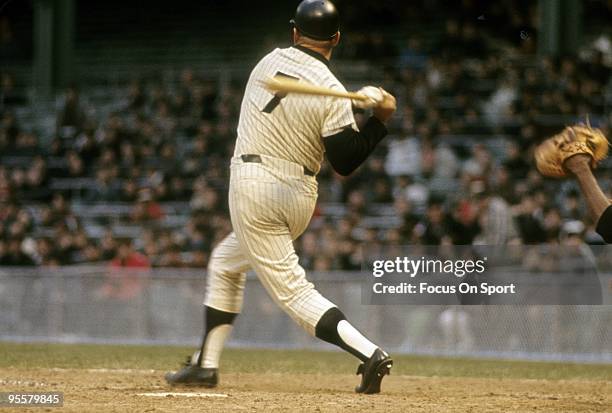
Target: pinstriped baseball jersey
[291,127]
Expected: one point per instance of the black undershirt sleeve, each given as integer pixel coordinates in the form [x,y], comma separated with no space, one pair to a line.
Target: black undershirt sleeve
[604,225]
[348,149]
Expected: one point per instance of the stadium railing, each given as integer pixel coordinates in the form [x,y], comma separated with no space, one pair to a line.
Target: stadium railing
[164,306]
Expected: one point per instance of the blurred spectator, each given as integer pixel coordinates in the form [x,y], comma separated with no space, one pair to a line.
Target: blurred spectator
[71,116]
[495,217]
[171,257]
[462,223]
[12,254]
[529,221]
[432,230]
[126,276]
[403,157]
[108,246]
[146,208]
[456,328]
[9,95]
[199,259]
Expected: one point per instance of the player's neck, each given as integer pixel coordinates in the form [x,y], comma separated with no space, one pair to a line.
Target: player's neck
[323,51]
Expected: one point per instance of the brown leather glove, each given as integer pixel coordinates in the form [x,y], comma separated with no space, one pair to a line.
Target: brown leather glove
[551,154]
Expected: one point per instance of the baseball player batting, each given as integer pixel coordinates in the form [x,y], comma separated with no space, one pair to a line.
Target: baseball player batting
[273,190]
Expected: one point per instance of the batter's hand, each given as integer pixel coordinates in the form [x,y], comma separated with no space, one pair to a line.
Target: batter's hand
[374,97]
[386,107]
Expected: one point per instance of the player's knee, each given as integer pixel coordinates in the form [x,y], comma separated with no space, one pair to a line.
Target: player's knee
[294,292]
[327,326]
[223,273]
[217,263]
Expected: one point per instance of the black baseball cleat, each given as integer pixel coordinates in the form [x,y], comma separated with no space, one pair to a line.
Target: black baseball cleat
[193,375]
[373,371]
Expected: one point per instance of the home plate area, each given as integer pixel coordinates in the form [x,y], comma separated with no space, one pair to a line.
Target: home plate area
[182,394]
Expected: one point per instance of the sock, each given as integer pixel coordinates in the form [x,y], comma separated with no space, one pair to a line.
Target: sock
[218,326]
[333,328]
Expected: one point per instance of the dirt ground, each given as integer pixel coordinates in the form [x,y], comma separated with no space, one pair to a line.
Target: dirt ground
[116,390]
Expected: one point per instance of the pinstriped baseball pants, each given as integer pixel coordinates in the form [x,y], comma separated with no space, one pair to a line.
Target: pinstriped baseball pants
[271,204]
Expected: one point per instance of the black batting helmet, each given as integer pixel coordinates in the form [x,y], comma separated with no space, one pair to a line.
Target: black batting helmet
[317,19]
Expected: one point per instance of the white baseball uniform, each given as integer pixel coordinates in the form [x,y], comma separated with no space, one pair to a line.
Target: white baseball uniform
[273,190]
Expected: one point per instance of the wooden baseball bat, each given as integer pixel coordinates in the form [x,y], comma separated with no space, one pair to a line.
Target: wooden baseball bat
[282,84]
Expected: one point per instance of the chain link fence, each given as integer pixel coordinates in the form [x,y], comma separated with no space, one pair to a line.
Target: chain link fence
[164,306]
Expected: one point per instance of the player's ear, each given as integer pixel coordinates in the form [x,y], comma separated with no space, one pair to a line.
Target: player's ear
[336,39]
[294,35]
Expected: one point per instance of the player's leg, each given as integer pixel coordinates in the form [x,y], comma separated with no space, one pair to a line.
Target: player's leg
[222,303]
[274,260]
[276,264]
[267,241]
[223,298]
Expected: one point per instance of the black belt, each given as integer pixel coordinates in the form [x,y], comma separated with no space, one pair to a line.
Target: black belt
[257,159]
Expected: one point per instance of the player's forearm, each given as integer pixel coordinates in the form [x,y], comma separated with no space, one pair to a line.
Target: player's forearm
[604,225]
[349,149]
[595,198]
[598,204]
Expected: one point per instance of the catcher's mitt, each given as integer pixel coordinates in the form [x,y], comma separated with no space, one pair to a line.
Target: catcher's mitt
[573,140]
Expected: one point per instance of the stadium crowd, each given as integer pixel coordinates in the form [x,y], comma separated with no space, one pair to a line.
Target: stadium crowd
[455,169]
